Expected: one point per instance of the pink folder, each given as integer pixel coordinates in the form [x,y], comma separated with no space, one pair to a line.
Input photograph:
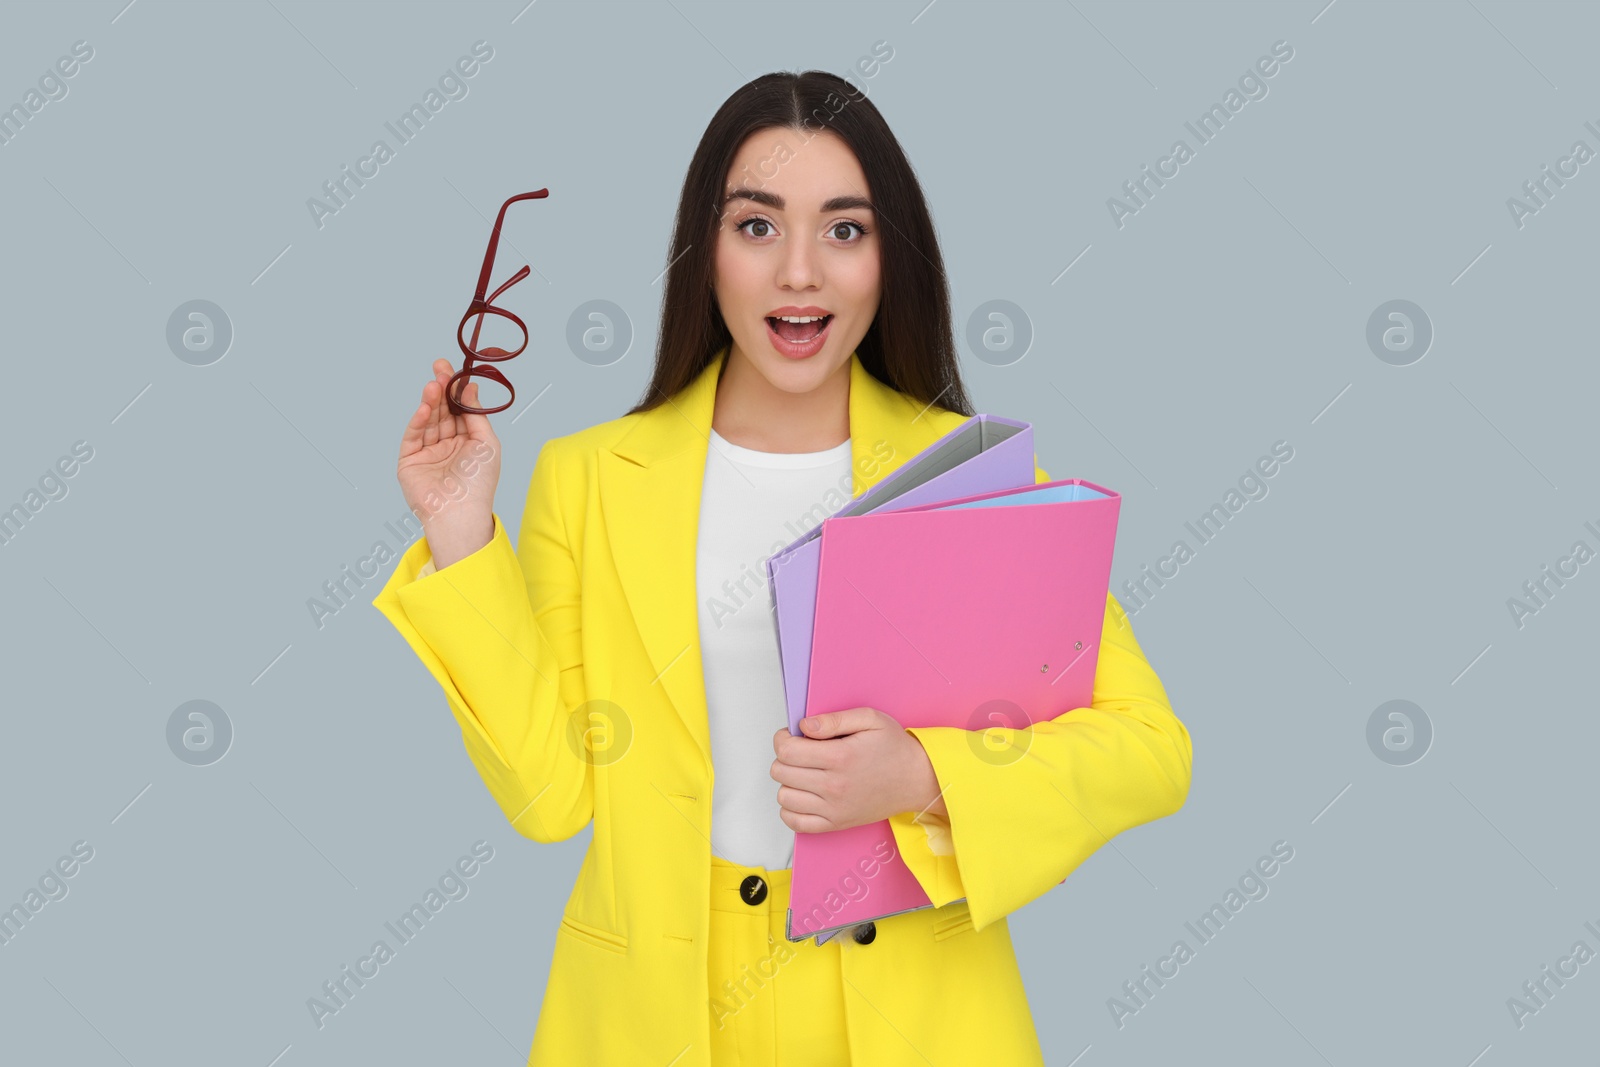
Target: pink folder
[985,453]
[972,612]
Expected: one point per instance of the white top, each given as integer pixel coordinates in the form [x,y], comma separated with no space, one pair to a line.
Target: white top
[751,505]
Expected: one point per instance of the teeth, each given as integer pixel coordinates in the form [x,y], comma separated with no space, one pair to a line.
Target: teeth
[800,318]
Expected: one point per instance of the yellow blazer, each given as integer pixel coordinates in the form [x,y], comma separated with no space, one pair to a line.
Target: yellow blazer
[584,638]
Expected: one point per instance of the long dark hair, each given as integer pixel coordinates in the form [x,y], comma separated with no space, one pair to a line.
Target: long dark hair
[909,346]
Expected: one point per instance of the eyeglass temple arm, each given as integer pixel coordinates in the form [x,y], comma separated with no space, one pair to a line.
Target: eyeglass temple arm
[509,282]
[514,279]
[494,243]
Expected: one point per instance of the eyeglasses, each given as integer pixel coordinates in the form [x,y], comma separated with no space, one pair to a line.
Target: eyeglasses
[476,313]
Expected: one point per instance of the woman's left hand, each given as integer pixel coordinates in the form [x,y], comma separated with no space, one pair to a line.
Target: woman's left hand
[851,768]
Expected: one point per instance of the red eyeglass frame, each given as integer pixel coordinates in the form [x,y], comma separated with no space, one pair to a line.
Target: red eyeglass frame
[480,307]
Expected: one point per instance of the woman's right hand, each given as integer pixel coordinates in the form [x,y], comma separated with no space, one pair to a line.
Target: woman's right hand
[449,466]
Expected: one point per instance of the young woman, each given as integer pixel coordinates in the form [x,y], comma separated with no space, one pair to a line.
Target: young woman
[618,664]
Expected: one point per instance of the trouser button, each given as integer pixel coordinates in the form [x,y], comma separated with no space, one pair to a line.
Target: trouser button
[865,933]
[753,890]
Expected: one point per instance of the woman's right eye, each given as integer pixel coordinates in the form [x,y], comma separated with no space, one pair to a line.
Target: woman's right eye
[767,226]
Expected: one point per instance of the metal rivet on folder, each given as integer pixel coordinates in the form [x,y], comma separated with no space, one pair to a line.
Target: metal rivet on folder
[1044,668]
[1077,644]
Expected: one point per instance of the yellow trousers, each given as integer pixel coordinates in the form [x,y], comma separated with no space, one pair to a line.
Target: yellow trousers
[774,1003]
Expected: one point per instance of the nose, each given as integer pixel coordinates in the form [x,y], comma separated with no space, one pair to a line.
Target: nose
[799,266]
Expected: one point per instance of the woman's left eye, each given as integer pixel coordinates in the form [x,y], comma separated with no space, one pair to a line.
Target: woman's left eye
[845,225]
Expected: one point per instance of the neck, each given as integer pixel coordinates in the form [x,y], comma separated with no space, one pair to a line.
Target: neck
[753,413]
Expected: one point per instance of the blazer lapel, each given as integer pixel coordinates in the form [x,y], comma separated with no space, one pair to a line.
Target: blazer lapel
[650,484]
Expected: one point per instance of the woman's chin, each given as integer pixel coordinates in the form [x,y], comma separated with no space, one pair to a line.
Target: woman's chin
[799,375]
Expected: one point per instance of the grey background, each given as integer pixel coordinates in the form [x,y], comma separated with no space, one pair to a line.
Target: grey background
[1228,314]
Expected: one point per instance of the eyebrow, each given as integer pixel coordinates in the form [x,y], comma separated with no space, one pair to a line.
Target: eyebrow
[776,202]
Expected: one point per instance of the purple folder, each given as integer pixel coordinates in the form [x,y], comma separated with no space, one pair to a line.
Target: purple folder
[983,454]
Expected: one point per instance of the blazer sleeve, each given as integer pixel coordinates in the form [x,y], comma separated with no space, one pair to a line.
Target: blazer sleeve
[500,632]
[1018,827]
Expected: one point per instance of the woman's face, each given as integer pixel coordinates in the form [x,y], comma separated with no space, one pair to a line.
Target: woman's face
[797,238]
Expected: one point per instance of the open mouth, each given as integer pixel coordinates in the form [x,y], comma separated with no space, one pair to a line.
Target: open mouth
[799,332]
